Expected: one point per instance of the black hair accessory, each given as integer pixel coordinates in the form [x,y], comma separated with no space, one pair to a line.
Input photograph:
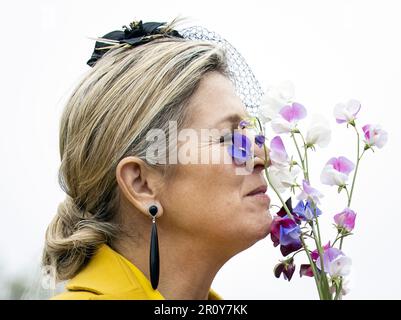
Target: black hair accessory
[247,86]
[135,34]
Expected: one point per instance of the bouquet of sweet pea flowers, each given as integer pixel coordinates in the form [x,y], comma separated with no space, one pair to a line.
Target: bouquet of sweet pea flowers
[295,229]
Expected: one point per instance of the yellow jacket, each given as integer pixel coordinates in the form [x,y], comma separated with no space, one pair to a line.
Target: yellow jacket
[108,275]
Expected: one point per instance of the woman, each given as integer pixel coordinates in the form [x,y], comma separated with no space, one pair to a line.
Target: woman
[118,191]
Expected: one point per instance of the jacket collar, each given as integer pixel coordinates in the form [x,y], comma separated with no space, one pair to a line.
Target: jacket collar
[111,275]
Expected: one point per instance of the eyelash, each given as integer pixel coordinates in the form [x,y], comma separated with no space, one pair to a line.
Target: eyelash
[226,138]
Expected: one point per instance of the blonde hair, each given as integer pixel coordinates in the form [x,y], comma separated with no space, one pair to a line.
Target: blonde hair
[128,92]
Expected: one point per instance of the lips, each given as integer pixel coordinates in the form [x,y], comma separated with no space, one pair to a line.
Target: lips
[259,190]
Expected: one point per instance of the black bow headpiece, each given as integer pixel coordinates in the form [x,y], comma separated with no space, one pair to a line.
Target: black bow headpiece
[135,34]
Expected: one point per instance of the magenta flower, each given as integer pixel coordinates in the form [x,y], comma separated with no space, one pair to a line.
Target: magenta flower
[309,193]
[288,117]
[374,135]
[306,270]
[347,112]
[315,253]
[345,219]
[336,171]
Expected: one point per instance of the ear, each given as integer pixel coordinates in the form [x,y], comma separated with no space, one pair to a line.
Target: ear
[139,184]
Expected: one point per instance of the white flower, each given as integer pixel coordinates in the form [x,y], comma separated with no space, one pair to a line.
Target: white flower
[282,178]
[340,266]
[336,171]
[274,99]
[347,112]
[335,262]
[319,132]
[280,125]
[375,135]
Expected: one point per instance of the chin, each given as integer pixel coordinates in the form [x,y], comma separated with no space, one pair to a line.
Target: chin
[264,227]
[258,229]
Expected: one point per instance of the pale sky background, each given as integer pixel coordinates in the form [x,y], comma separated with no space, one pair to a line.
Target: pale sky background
[331,50]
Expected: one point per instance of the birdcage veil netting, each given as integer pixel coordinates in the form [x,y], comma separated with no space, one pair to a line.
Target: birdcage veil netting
[247,86]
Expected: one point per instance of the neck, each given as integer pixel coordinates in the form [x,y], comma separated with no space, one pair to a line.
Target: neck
[187,268]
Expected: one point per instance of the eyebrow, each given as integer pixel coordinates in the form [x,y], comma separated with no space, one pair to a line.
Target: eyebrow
[234,119]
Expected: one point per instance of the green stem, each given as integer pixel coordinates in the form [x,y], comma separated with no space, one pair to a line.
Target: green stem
[268,177]
[346,189]
[341,243]
[338,290]
[356,166]
[306,157]
[340,238]
[323,279]
[301,250]
[300,157]
[313,266]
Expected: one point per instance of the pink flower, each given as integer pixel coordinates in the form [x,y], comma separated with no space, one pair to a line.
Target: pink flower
[288,117]
[374,135]
[293,112]
[278,154]
[336,171]
[345,219]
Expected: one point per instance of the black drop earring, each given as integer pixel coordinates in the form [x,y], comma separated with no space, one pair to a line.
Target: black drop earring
[154,250]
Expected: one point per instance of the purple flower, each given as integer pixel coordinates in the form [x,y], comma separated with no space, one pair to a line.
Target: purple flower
[260,140]
[240,149]
[347,112]
[309,193]
[289,232]
[286,268]
[285,231]
[336,171]
[374,135]
[244,124]
[345,219]
[335,262]
[305,211]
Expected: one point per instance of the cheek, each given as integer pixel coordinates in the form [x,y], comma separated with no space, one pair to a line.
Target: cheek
[206,201]
[203,197]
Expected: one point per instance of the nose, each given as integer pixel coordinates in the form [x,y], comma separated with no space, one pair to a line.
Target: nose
[260,158]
